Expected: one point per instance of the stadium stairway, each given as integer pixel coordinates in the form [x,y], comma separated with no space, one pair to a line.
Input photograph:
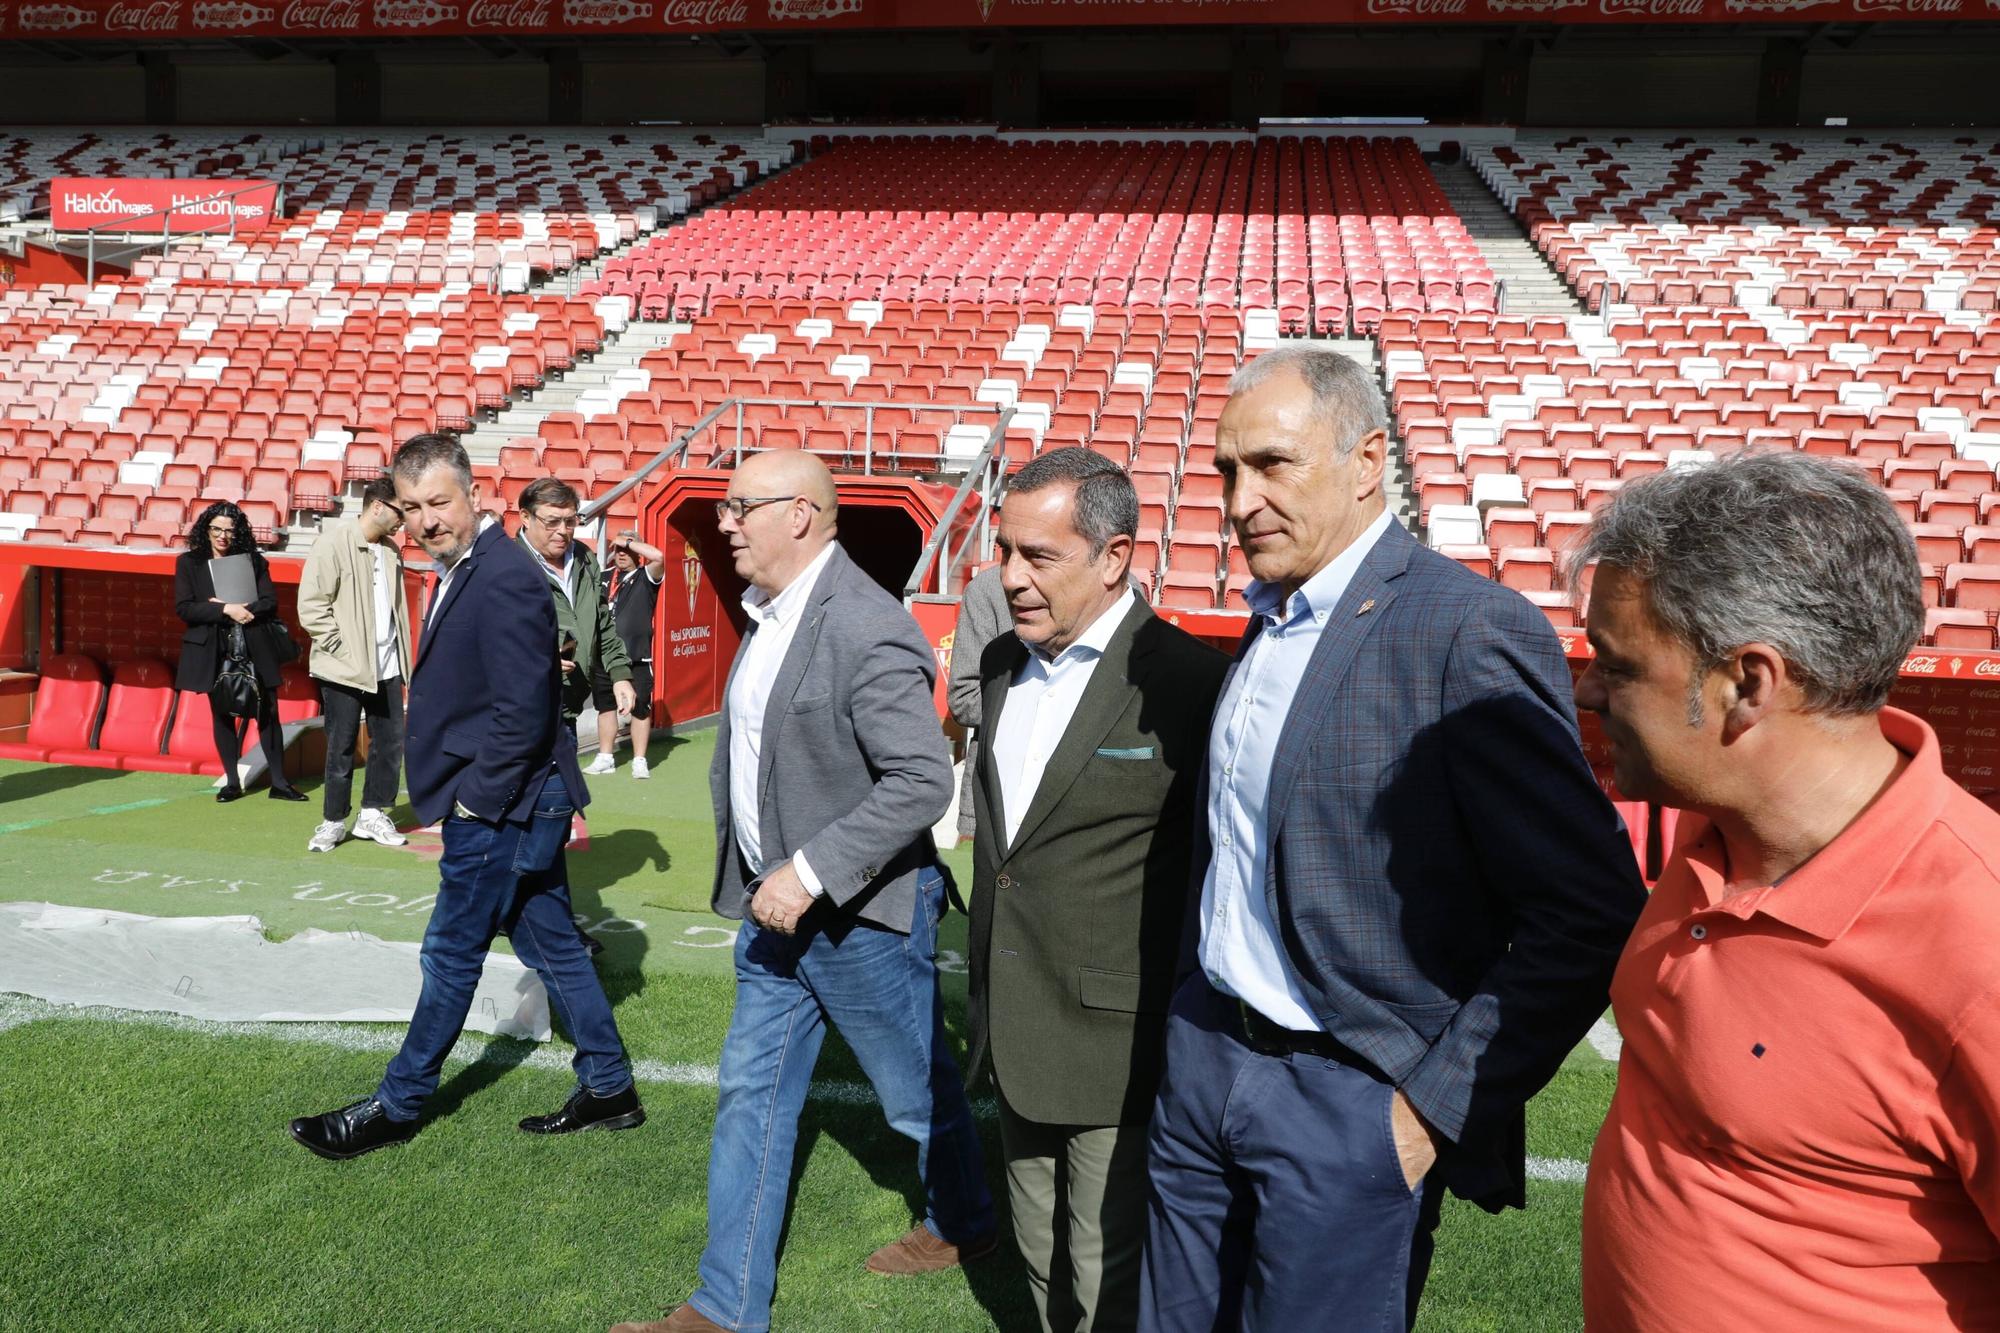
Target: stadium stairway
[1531,286]
[616,363]
[1398,484]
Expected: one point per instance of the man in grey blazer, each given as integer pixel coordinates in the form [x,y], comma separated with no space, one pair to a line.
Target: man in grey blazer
[830,769]
[1096,724]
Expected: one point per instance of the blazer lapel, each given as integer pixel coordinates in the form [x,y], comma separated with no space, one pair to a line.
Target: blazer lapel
[1104,699]
[455,590]
[1357,613]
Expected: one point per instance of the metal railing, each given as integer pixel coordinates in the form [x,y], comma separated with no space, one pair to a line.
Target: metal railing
[988,474]
[865,455]
[984,472]
[169,237]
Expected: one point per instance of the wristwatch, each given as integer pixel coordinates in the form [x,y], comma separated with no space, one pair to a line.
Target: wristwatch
[458,808]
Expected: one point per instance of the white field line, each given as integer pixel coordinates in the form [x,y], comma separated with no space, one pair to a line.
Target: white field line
[1604,1039]
[19,1010]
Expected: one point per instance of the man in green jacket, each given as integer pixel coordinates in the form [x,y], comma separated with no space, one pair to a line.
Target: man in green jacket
[351,603]
[584,625]
[1094,725]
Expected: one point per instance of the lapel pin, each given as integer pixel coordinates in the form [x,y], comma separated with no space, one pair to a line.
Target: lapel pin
[1365,607]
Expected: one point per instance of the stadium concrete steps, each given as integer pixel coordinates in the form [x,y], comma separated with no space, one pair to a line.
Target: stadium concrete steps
[1532,287]
[582,273]
[523,417]
[1396,487]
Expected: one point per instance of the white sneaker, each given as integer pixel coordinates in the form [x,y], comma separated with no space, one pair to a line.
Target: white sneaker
[328,835]
[601,765]
[640,768]
[376,826]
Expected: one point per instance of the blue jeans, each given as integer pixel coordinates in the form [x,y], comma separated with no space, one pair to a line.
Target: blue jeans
[509,878]
[881,990]
[1277,1197]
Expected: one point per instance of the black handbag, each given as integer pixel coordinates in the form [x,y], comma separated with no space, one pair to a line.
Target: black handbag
[237,692]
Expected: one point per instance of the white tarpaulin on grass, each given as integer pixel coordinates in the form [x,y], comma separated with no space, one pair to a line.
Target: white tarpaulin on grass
[222,968]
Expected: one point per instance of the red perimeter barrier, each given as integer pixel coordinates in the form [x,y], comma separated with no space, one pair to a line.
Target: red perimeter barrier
[156,19]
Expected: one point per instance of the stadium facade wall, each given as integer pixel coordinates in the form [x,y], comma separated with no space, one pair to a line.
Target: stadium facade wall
[1886,77]
[215,90]
[1702,85]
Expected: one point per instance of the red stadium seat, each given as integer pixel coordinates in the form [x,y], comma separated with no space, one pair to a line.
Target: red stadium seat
[190,744]
[136,713]
[68,702]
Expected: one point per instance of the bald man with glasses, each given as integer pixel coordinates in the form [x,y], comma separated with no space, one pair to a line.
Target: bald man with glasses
[830,768]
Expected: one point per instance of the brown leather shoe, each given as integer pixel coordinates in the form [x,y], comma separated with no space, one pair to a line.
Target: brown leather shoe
[924,1251]
[686,1319]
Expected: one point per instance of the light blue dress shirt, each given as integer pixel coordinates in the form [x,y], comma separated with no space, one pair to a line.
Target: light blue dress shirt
[1240,950]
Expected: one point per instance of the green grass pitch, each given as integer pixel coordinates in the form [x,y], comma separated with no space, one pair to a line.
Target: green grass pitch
[146,1180]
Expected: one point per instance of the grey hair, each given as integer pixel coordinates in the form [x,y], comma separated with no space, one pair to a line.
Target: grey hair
[1347,401]
[1776,547]
[421,453]
[1107,505]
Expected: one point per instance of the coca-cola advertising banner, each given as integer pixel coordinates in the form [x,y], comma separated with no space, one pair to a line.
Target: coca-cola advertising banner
[150,205]
[82,19]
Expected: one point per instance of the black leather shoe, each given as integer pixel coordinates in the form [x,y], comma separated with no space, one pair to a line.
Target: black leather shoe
[286,794]
[585,1110]
[352,1130]
[228,794]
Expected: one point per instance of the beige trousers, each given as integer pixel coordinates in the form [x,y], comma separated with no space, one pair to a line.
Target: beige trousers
[1086,1185]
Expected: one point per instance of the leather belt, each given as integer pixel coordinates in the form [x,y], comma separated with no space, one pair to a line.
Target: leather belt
[1268,1038]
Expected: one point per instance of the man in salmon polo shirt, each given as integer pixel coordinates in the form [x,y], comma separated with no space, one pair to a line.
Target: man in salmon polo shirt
[1806,1132]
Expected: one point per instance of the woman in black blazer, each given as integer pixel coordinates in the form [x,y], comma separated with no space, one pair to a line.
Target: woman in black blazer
[223,530]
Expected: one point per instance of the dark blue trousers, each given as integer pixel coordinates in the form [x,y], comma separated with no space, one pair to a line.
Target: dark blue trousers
[1277,1199]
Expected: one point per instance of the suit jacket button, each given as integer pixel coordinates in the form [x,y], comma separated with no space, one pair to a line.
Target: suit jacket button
[870,873]
[1004,882]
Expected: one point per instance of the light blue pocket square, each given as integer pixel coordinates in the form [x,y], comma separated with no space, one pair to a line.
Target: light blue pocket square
[1112,752]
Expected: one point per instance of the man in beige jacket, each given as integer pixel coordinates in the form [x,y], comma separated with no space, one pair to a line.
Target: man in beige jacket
[351,602]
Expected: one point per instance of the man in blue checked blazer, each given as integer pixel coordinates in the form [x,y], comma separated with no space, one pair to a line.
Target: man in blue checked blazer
[1412,893]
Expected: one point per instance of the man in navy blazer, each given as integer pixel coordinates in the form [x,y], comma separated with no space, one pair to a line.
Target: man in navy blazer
[1412,892]
[489,755]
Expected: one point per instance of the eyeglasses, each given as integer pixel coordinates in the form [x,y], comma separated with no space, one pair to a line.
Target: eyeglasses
[221,529]
[556,524]
[741,505]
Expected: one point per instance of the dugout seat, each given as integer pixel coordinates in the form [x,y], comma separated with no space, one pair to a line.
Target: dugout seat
[68,703]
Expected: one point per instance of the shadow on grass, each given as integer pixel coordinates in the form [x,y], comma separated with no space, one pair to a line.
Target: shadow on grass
[999,1283]
[50,780]
[501,1055]
[612,859]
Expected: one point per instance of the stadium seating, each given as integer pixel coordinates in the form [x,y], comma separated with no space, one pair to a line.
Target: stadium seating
[136,714]
[137,404]
[471,171]
[1811,222]
[1329,234]
[68,701]
[1514,428]
[190,745]
[278,366]
[914,387]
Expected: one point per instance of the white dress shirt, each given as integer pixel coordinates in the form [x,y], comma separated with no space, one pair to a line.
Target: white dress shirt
[1240,951]
[444,573]
[1038,708]
[774,621]
[388,648]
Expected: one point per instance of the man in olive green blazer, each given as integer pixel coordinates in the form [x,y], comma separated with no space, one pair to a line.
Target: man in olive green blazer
[1096,717]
